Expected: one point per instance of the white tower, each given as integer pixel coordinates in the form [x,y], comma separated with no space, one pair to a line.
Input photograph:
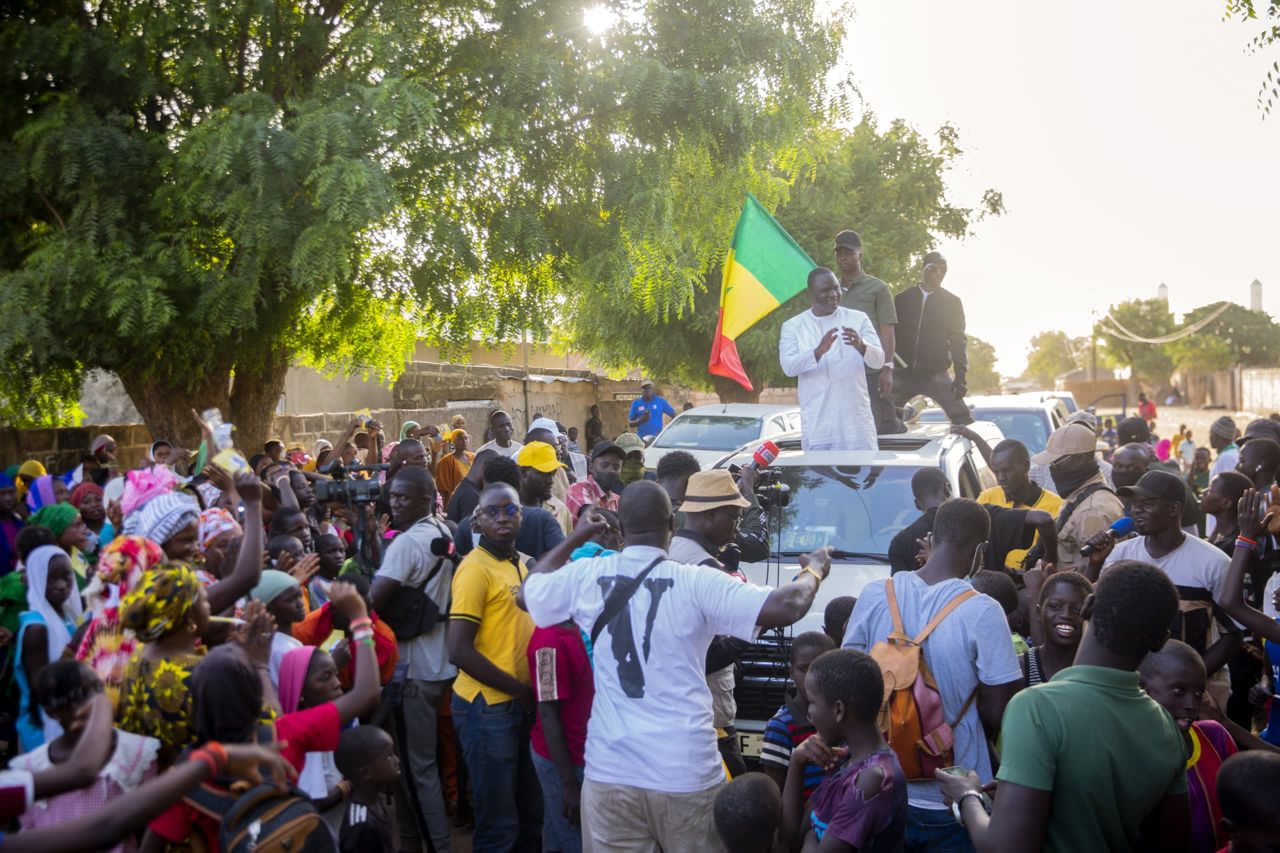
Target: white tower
[1255,296]
[1162,293]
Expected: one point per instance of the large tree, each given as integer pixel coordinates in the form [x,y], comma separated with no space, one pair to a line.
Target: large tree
[199,194]
[1050,354]
[1143,318]
[1237,337]
[886,182]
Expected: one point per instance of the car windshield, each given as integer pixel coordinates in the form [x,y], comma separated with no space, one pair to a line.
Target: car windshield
[1029,427]
[848,507]
[709,432]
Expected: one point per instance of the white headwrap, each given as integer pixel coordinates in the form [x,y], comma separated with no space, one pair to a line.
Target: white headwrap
[163,517]
[37,582]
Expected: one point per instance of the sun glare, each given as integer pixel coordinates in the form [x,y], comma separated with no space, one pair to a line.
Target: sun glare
[598,19]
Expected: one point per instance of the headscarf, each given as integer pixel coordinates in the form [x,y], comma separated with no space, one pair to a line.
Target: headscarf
[106,645]
[163,517]
[293,676]
[159,442]
[321,445]
[56,517]
[59,635]
[40,493]
[31,468]
[161,602]
[273,583]
[1162,449]
[86,487]
[214,522]
[1224,428]
[144,485]
[100,442]
[406,426]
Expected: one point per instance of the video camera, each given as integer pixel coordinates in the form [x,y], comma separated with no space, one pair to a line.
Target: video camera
[345,490]
[769,488]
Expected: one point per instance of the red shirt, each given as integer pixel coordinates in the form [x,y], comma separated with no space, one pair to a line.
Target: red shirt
[311,730]
[561,671]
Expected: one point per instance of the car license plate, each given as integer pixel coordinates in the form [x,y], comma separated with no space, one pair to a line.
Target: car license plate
[751,743]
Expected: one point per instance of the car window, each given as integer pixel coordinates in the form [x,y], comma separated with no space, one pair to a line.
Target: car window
[969,485]
[849,507]
[709,432]
[776,425]
[793,421]
[1030,426]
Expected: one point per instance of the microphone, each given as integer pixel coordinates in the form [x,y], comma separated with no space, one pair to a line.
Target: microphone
[1122,526]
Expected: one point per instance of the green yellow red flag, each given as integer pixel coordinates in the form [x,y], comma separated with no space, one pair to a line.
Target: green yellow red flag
[765,267]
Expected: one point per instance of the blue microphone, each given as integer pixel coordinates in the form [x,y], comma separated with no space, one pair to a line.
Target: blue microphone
[1122,526]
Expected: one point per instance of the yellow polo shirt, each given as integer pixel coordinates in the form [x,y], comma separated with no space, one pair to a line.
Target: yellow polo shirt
[484,592]
[1048,502]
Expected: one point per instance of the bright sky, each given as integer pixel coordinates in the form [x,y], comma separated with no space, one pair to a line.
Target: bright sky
[1125,136]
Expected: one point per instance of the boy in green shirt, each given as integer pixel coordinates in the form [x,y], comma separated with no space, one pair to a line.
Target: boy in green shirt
[1090,762]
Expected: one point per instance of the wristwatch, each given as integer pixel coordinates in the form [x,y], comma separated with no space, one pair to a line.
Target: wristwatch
[959,812]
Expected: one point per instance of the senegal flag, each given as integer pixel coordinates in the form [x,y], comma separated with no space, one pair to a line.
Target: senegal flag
[765,268]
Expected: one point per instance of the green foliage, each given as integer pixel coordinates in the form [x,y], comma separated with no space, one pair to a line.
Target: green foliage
[196,190]
[1051,354]
[1146,318]
[982,376]
[1236,338]
[887,183]
[1265,17]
[39,399]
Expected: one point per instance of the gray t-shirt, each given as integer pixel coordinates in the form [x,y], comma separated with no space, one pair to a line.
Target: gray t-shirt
[409,560]
[973,644]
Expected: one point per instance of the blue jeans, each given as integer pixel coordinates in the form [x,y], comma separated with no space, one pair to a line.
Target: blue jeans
[558,834]
[504,787]
[935,831]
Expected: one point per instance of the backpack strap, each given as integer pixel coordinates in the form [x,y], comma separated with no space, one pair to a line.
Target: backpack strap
[623,590]
[964,709]
[891,598]
[943,614]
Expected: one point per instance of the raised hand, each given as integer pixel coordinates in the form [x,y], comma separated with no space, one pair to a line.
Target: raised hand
[825,344]
[248,487]
[346,600]
[305,569]
[246,761]
[255,633]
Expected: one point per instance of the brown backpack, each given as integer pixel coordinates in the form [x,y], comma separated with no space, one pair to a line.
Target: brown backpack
[911,715]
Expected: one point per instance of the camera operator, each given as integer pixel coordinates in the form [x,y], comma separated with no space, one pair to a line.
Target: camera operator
[418,566]
[751,544]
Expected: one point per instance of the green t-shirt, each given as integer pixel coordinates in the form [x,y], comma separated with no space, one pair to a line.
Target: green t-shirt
[871,296]
[1104,748]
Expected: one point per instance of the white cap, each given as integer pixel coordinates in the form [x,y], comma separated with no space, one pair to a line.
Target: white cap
[544,423]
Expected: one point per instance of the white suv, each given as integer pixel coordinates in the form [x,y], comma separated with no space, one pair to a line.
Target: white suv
[855,502]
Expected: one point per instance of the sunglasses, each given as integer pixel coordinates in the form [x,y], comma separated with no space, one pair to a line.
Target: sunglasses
[502,511]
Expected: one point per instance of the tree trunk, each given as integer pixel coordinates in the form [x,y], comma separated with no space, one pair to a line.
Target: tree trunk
[166,410]
[731,392]
[258,384]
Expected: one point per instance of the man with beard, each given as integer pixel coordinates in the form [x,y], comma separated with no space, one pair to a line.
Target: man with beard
[1089,506]
[604,480]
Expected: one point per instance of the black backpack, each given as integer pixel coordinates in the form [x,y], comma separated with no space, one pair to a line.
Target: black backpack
[263,818]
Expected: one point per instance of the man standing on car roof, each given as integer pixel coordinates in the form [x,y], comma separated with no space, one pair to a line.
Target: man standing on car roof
[932,342]
[828,349]
[871,296]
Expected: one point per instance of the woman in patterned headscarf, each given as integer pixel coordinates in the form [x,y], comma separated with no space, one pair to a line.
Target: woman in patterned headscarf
[218,529]
[167,613]
[73,535]
[107,645]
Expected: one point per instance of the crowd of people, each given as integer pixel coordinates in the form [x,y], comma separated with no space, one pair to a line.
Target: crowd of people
[364,646]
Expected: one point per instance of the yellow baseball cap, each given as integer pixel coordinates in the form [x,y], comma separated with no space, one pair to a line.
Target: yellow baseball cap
[540,456]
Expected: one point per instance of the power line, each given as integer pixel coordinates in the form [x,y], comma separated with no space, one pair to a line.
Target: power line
[1118,329]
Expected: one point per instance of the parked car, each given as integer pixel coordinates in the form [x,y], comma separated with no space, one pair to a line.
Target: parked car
[1030,418]
[855,502]
[710,432]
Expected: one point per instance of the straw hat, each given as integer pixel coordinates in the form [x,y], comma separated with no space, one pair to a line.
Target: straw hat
[708,490]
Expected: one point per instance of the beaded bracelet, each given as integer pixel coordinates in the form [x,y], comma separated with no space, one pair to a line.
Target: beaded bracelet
[362,622]
[362,634]
[1246,542]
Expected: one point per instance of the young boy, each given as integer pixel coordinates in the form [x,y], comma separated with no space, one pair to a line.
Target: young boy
[366,756]
[747,813]
[1175,678]
[1247,786]
[790,726]
[863,805]
[564,690]
[836,617]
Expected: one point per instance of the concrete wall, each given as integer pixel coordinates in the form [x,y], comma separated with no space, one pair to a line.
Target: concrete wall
[1260,389]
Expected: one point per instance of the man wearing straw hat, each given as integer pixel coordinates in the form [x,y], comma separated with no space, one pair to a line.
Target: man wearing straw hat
[712,508]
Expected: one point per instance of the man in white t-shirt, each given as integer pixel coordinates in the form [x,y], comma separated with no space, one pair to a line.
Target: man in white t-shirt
[970,655]
[502,429]
[653,769]
[1196,568]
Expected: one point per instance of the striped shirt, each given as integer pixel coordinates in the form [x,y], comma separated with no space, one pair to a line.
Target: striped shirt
[781,736]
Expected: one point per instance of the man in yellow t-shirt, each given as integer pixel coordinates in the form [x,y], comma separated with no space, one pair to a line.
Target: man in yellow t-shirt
[1011,463]
[492,697]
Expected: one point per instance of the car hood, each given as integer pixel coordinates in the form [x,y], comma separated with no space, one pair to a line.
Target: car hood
[847,577]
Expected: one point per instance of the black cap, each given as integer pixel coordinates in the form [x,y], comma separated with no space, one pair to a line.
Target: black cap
[1260,428]
[933,258]
[604,447]
[848,240]
[1132,430]
[1160,485]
